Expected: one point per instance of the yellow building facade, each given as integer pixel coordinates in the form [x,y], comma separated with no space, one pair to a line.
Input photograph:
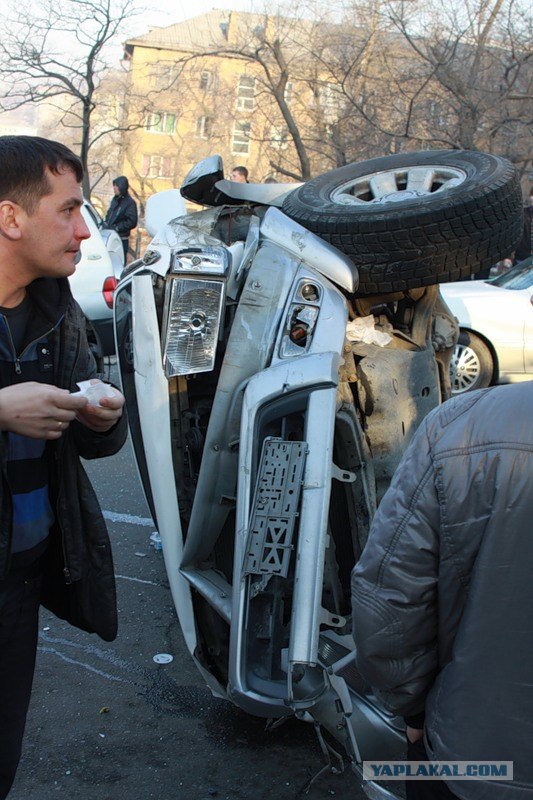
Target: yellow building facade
[193,95]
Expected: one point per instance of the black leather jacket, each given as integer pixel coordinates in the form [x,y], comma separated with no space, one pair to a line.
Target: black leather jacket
[80,558]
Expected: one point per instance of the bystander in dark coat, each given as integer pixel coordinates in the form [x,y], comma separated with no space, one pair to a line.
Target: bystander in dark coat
[54,547]
[122,213]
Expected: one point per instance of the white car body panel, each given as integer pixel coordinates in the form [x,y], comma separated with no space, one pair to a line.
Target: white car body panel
[503,317]
[152,391]
[102,256]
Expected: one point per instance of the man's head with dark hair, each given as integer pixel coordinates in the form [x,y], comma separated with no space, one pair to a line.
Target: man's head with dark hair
[24,162]
[239,174]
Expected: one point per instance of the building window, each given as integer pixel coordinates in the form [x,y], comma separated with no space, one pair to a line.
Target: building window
[204,127]
[288,94]
[330,101]
[161,122]
[245,93]
[158,167]
[163,76]
[241,138]
[206,80]
[279,137]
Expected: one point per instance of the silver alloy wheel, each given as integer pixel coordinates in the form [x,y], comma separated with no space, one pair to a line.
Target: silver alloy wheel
[397,185]
[465,369]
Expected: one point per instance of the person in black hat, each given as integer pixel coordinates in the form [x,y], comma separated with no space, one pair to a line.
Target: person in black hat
[122,213]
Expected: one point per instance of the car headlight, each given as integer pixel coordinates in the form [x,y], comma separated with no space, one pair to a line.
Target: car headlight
[204,260]
[301,319]
[193,309]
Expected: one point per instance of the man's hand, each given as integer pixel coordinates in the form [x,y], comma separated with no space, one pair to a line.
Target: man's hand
[38,410]
[102,417]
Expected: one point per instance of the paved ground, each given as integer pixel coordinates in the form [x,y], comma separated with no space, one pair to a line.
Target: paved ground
[107,723]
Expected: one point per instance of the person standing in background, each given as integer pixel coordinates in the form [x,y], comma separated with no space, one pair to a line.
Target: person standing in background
[239,175]
[122,213]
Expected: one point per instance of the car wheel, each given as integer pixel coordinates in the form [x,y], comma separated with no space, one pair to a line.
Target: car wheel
[415,219]
[472,365]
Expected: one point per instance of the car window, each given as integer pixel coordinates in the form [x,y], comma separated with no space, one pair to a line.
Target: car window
[518,277]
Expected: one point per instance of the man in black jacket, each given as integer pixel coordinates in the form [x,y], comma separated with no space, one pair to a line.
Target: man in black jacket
[54,547]
[122,213]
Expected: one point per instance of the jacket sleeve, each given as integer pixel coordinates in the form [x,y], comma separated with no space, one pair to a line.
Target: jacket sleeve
[89,443]
[394,586]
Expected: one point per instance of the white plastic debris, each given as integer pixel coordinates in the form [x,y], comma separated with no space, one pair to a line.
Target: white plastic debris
[363,329]
[163,658]
[155,540]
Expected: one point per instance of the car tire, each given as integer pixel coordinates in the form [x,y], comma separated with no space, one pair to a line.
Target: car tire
[472,364]
[415,219]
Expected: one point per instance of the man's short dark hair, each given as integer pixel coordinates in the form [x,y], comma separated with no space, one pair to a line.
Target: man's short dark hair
[243,171]
[23,164]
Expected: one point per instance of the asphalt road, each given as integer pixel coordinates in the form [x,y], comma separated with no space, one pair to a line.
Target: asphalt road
[108,723]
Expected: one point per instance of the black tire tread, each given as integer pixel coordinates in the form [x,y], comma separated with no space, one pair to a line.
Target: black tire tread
[449,241]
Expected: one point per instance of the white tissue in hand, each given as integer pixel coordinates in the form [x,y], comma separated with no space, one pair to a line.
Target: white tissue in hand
[94,391]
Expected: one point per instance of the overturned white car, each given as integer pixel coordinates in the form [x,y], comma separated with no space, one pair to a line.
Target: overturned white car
[283,347]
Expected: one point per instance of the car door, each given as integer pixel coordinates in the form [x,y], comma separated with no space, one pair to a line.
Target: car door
[513,320]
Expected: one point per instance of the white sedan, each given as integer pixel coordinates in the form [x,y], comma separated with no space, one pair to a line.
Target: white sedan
[93,283]
[496,322]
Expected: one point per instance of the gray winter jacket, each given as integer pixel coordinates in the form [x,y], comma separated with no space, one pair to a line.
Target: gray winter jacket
[443,593]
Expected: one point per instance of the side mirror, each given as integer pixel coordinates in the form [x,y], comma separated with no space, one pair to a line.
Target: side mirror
[199,185]
[163,207]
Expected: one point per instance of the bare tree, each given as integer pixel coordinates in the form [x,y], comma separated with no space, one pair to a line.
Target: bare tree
[53,54]
[469,80]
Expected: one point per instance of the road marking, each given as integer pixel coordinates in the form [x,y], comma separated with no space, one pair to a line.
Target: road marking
[113,516]
[80,664]
[137,580]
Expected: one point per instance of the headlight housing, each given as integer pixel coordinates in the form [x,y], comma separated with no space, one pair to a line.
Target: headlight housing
[193,310]
[301,319]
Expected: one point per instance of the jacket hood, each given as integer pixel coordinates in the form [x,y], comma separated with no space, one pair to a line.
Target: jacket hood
[122,184]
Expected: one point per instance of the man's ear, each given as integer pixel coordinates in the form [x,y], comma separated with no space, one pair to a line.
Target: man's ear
[10,219]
